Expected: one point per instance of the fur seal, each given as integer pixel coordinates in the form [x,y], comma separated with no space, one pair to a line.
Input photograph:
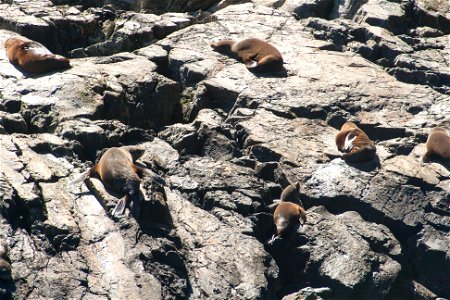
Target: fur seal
[118,172]
[5,266]
[33,57]
[256,54]
[289,213]
[354,144]
[438,145]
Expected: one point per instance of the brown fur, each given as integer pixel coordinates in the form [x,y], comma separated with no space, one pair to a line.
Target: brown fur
[438,144]
[292,194]
[251,51]
[3,249]
[287,216]
[117,171]
[363,148]
[23,54]
[289,212]
[5,266]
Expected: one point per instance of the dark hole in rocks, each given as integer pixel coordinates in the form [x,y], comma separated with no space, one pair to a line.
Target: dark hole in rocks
[310,112]
[291,260]
[12,106]
[168,267]
[17,214]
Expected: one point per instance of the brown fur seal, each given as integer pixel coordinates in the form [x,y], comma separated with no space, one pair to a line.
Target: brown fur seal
[438,145]
[118,172]
[5,266]
[257,55]
[289,213]
[33,57]
[354,144]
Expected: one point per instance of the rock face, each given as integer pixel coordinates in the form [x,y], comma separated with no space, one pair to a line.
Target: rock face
[226,141]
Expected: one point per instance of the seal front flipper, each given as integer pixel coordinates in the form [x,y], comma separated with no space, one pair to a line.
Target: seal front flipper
[250,64]
[120,207]
[153,176]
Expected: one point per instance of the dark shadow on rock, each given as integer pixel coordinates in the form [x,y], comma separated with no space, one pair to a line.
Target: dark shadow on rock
[368,166]
[263,226]
[154,217]
[166,263]
[7,289]
[38,75]
[435,159]
[278,74]
[291,260]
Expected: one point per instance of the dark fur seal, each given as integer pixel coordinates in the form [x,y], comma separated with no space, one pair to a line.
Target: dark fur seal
[118,172]
[354,144]
[33,57]
[256,54]
[5,266]
[438,145]
[289,213]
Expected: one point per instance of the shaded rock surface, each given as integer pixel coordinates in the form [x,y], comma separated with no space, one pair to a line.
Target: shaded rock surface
[227,142]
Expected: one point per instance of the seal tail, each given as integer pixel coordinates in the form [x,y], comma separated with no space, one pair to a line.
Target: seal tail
[120,207]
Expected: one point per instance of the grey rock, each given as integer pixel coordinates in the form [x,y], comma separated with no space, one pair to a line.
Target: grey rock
[305,9]
[309,293]
[430,250]
[355,263]
[13,123]
[226,141]
[218,257]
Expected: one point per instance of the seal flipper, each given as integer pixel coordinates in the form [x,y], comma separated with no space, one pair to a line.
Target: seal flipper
[274,204]
[120,207]
[83,176]
[272,240]
[348,144]
[427,157]
[147,172]
[302,218]
[250,64]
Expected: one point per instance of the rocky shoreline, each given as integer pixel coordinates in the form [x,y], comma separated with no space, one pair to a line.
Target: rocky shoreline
[227,141]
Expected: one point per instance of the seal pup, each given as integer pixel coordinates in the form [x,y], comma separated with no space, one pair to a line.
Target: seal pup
[438,145]
[289,213]
[118,172]
[354,144]
[33,57]
[256,54]
[5,266]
